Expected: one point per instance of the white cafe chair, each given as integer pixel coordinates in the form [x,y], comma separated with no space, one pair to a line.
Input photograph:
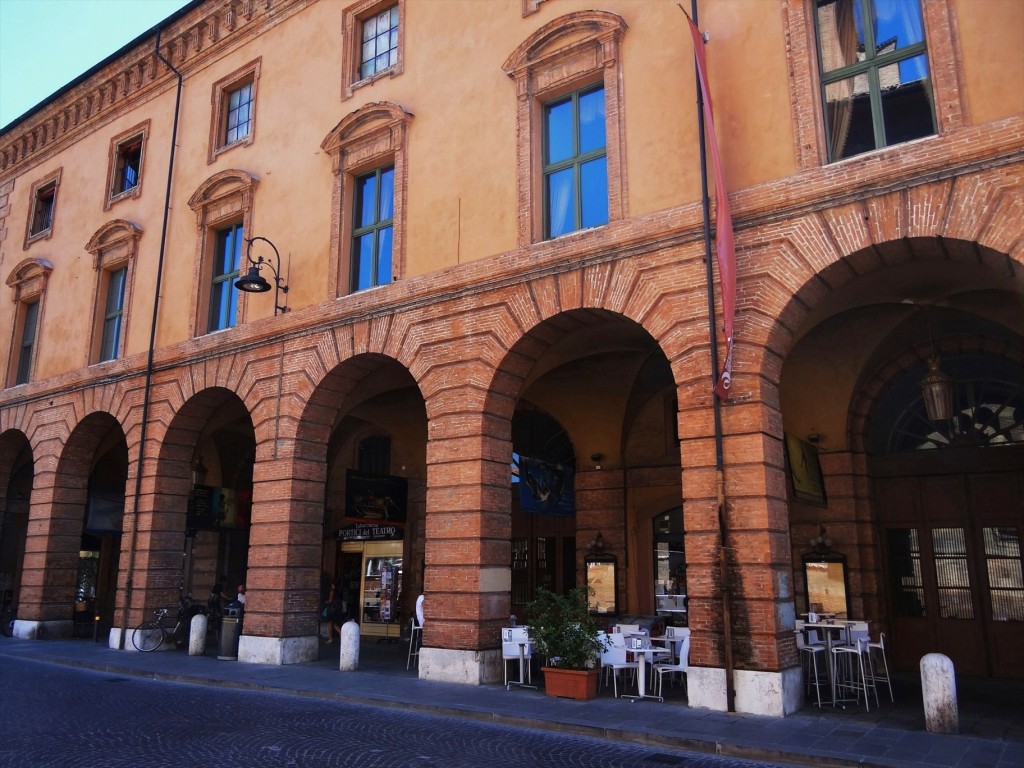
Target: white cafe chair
[510,649]
[615,658]
[681,666]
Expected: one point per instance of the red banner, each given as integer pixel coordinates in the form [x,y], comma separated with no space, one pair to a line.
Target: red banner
[725,248]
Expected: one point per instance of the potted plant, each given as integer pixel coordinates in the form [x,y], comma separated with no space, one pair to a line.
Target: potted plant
[563,630]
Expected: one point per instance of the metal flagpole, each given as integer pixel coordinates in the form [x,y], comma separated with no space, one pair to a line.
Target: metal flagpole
[725,577]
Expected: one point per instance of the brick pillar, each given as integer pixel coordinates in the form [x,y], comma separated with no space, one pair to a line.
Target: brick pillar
[285,548]
[766,671]
[468,528]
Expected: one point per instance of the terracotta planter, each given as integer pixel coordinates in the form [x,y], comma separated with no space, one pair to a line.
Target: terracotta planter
[580,684]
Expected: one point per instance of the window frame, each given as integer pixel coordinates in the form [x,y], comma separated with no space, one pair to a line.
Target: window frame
[869,68]
[114,246]
[222,200]
[353,18]
[247,75]
[115,163]
[375,228]
[29,281]
[47,187]
[570,53]
[26,349]
[113,315]
[808,110]
[233,233]
[574,162]
[371,137]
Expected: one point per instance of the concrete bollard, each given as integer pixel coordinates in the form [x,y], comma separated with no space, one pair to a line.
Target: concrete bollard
[197,635]
[349,647]
[938,687]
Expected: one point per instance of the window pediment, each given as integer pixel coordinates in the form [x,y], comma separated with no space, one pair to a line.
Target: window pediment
[366,133]
[29,278]
[222,185]
[584,40]
[116,240]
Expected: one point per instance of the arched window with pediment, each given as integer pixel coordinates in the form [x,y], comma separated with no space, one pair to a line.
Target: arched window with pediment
[368,151]
[28,282]
[114,247]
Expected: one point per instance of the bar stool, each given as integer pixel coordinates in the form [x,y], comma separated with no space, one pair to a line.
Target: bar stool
[849,672]
[415,641]
[809,661]
[875,649]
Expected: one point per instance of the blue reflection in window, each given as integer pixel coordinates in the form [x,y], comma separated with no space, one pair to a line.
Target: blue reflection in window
[575,163]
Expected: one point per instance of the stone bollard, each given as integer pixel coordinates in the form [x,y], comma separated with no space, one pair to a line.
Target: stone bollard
[197,635]
[938,686]
[349,647]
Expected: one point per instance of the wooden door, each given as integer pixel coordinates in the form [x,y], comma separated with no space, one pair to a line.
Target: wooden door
[953,569]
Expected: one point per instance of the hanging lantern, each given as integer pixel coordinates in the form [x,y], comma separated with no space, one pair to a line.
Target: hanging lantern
[937,391]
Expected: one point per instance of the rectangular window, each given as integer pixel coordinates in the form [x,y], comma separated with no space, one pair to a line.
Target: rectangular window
[874,66]
[238,117]
[1005,573]
[905,570]
[28,341]
[113,314]
[42,212]
[952,576]
[223,296]
[379,42]
[575,163]
[129,166]
[373,228]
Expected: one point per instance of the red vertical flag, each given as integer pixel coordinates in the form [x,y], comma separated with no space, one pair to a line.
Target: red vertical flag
[724,244]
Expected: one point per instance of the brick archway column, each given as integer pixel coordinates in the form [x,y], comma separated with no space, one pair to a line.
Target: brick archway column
[51,557]
[285,550]
[766,669]
[468,577]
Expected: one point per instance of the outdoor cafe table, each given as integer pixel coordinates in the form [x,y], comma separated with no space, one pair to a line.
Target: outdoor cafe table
[642,655]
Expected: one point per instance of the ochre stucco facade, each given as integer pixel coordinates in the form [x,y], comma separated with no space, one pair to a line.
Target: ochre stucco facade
[486,327]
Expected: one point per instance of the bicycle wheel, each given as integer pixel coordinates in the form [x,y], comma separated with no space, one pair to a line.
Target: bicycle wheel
[7,627]
[148,636]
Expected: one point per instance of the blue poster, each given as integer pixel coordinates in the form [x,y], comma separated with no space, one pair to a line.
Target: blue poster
[546,489]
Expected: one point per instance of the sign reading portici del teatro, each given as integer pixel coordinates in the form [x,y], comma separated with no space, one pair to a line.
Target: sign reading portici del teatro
[368,532]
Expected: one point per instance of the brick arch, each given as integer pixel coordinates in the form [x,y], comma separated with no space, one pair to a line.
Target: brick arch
[524,354]
[57,515]
[155,538]
[803,260]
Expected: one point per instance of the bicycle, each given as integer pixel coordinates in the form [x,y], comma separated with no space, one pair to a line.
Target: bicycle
[150,635]
[8,614]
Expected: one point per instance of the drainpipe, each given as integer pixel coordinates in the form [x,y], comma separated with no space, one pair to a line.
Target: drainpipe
[725,577]
[147,387]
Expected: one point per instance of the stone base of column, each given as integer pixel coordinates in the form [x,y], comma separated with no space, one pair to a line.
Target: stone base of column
[278,650]
[43,630]
[774,694]
[468,667]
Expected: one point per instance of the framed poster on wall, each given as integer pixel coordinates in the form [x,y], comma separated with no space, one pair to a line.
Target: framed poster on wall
[805,476]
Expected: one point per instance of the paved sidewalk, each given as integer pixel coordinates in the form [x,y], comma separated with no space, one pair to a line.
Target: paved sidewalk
[894,737]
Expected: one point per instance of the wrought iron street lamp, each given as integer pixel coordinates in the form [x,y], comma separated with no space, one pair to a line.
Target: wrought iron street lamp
[253,282]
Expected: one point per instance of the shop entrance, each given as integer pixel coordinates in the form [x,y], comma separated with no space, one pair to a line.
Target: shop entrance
[373,571]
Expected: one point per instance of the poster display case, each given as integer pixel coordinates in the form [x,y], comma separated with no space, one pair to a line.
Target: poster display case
[381,588]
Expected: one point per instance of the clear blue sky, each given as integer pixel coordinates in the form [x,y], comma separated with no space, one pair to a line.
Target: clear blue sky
[45,44]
